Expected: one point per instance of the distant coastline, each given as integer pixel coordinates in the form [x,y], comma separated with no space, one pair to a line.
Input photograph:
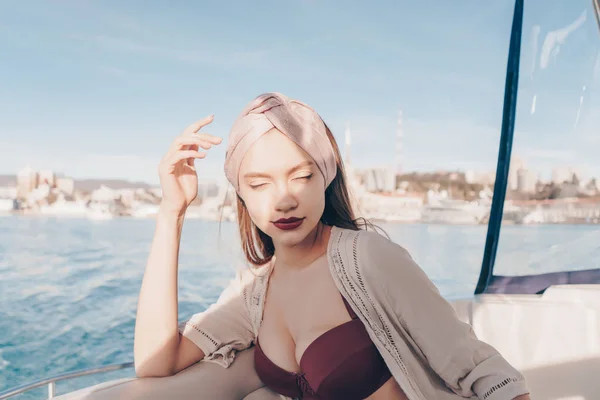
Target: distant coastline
[89,184]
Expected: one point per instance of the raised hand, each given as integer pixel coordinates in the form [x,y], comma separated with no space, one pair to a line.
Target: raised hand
[177,169]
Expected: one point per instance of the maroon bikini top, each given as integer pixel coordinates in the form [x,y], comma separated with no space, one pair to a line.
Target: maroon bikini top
[342,363]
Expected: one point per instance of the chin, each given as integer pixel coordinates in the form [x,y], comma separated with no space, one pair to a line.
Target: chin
[287,241]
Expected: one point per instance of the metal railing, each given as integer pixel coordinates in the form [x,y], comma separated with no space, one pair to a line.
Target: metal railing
[51,382]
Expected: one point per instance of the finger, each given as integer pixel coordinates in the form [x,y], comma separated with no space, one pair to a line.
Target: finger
[185,154]
[186,143]
[182,141]
[190,161]
[196,126]
[208,137]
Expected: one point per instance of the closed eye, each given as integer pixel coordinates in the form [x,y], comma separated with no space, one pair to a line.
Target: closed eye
[307,177]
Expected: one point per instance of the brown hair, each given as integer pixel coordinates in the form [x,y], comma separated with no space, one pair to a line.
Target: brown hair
[258,247]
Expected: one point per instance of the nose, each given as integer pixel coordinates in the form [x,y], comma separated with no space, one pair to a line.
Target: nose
[286,201]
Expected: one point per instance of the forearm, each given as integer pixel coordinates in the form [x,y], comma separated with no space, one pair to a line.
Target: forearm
[156,332]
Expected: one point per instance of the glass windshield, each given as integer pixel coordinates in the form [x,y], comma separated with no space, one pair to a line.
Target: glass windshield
[552,204]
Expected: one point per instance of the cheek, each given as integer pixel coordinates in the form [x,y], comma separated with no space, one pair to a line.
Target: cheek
[313,201]
[259,208]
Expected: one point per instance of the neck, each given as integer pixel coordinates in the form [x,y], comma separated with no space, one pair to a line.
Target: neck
[305,253]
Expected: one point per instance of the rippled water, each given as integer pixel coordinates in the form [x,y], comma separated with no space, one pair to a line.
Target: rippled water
[69,287]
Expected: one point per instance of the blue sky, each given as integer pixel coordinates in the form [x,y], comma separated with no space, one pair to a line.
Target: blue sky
[100,88]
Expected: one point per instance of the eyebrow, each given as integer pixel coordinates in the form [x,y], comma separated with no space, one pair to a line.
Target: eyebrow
[291,170]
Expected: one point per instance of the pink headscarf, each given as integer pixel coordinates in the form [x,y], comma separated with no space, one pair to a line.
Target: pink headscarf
[296,120]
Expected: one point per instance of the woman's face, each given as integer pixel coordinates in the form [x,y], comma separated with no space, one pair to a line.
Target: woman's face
[278,180]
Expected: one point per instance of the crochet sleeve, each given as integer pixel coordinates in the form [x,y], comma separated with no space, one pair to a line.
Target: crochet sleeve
[224,327]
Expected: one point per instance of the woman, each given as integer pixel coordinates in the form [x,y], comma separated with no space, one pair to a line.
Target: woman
[335,312]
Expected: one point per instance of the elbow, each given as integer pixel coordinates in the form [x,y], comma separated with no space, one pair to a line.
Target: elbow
[141,372]
[145,370]
[149,363]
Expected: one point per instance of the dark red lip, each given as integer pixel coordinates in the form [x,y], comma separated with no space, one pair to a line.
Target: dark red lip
[288,223]
[287,220]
